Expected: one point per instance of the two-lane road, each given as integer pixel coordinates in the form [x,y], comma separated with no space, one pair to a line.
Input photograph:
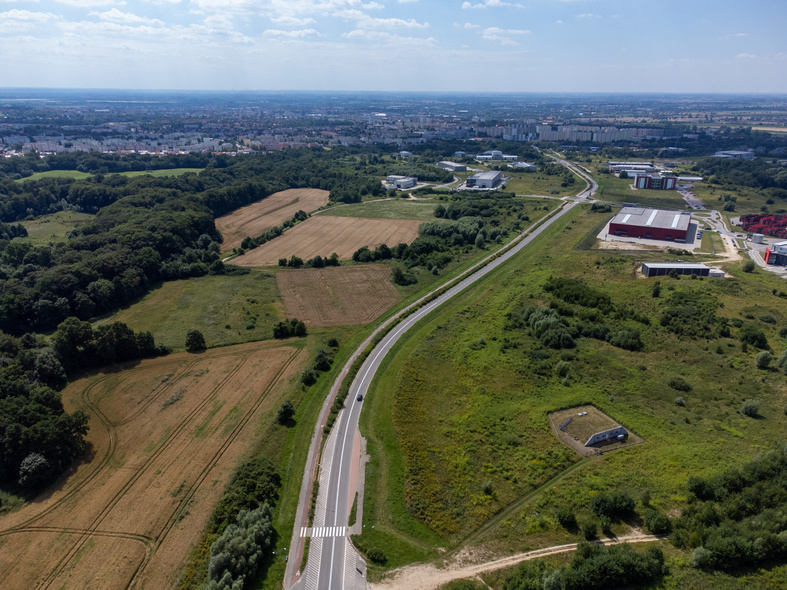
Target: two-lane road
[331,561]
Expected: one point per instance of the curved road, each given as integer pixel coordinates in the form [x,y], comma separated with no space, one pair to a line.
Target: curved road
[332,562]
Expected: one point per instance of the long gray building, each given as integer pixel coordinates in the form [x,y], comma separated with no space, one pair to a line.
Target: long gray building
[613,434]
[658,269]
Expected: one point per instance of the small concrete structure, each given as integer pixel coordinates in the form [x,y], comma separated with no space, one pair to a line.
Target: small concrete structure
[613,434]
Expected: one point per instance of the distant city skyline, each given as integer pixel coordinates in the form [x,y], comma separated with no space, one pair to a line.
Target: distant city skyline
[388,45]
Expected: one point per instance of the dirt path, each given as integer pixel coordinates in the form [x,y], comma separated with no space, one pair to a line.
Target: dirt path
[429,576]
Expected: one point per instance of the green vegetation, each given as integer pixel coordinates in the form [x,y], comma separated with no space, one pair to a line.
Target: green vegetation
[387,209]
[226,309]
[53,227]
[73,174]
[470,388]
[162,173]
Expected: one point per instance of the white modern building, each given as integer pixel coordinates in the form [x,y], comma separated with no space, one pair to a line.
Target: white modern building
[496,155]
[491,179]
[523,166]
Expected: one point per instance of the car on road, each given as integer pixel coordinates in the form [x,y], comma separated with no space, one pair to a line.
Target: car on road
[360,397]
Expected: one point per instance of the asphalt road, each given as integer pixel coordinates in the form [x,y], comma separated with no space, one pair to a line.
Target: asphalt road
[327,565]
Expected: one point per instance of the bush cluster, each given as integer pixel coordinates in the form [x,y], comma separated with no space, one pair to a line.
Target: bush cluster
[288,328]
[737,518]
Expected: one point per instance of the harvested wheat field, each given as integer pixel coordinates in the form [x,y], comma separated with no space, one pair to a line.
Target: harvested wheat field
[253,220]
[337,296]
[166,437]
[322,235]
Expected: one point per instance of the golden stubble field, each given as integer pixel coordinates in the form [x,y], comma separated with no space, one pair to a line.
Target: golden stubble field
[338,296]
[253,220]
[166,436]
[323,235]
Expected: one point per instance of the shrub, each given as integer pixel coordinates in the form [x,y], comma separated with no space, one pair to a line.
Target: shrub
[566,517]
[657,523]
[236,555]
[615,506]
[285,413]
[763,359]
[195,341]
[750,334]
[590,530]
[679,384]
[562,368]
[749,265]
[679,401]
[34,471]
[751,408]
[700,558]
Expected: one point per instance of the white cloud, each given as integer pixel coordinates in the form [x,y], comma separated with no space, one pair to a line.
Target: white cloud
[91,3]
[745,56]
[389,23]
[502,36]
[389,38]
[291,34]
[489,4]
[20,21]
[291,21]
[468,26]
[732,36]
[118,16]
[588,15]
[559,22]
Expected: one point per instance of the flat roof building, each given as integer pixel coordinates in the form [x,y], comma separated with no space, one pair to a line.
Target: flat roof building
[452,166]
[735,155]
[651,224]
[496,155]
[491,179]
[658,182]
[659,269]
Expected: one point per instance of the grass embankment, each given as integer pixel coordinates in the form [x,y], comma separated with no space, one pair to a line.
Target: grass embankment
[469,396]
[53,227]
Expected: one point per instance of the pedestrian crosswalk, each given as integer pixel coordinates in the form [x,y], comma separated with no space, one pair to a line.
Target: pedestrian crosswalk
[324,531]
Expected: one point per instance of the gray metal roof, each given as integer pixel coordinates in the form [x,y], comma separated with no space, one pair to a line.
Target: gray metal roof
[695,265]
[641,217]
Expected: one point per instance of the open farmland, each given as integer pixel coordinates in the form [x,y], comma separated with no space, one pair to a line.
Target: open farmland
[266,213]
[337,296]
[321,236]
[166,435]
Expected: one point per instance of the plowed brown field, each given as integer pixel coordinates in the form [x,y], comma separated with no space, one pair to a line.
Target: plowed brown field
[337,296]
[322,236]
[166,435]
[254,219]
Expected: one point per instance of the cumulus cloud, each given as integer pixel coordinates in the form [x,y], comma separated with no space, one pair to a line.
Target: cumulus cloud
[388,38]
[502,36]
[291,21]
[118,16]
[19,21]
[587,15]
[300,34]
[91,3]
[489,4]
[745,56]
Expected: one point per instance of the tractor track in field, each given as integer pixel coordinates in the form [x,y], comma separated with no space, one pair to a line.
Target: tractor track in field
[150,543]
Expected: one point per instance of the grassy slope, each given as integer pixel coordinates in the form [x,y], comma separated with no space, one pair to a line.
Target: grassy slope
[476,413]
[53,227]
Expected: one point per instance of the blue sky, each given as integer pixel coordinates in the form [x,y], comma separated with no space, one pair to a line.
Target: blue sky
[418,45]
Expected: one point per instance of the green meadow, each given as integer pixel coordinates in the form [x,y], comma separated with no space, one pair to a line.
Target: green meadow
[456,420]
[53,227]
